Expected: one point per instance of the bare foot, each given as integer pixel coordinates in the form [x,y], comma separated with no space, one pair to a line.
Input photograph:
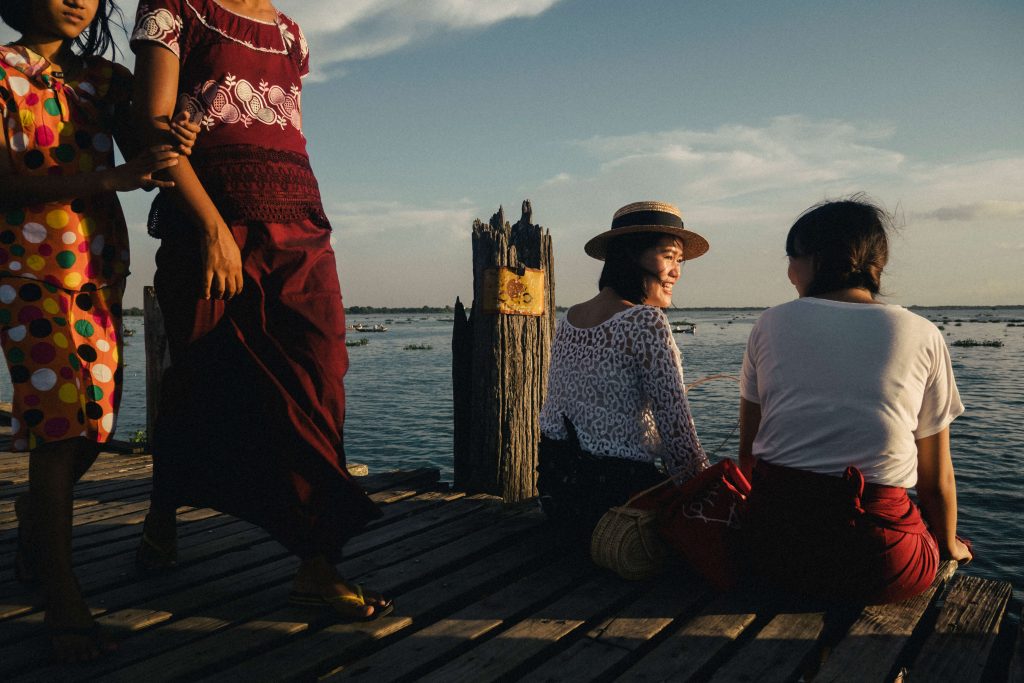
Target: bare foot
[74,634]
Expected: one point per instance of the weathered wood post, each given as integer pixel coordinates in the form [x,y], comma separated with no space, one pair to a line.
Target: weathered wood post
[500,357]
[157,357]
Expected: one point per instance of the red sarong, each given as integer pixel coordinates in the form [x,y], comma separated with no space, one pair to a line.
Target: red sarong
[837,537]
[252,409]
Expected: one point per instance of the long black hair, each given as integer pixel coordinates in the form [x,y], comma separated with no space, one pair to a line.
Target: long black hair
[848,241]
[95,40]
[622,270]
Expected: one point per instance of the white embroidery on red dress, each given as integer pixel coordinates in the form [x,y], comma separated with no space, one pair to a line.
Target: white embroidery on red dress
[159,25]
[236,100]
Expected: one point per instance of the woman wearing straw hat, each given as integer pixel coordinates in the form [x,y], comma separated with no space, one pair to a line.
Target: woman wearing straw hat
[616,401]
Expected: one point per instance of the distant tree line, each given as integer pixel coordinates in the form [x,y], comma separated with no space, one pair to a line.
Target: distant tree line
[365,310]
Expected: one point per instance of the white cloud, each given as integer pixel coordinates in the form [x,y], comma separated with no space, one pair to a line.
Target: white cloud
[340,32]
[990,209]
[736,160]
[743,185]
[413,224]
[363,29]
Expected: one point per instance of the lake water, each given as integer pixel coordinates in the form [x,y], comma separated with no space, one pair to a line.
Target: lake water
[400,407]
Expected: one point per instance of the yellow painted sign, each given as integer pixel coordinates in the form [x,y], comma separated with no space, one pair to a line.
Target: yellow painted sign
[505,291]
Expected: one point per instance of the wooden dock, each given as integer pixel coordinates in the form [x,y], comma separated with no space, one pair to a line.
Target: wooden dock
[483,593]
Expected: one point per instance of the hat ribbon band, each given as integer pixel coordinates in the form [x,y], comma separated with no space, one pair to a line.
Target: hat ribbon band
[632,218]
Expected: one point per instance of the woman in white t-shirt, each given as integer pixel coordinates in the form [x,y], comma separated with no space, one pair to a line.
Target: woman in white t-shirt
[846,403]
[616,402]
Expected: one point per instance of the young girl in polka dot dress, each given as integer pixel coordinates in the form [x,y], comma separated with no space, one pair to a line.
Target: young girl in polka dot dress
[63,264]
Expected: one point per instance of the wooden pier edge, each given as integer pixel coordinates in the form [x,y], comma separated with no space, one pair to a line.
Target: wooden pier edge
[483,592]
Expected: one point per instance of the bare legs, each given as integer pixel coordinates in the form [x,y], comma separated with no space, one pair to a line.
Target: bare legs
[53,470]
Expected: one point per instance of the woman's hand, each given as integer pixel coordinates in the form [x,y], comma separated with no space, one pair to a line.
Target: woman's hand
[222,264]
[959,552]
[139,172]
[184,131]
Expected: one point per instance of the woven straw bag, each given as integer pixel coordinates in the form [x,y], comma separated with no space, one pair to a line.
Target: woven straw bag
[626,541]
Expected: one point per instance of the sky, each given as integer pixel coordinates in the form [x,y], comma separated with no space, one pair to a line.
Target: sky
[423,115]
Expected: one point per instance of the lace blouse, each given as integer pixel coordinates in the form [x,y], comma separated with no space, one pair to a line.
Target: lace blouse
[621,385]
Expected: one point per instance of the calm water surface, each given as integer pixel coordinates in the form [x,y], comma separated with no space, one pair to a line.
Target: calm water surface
[400,407]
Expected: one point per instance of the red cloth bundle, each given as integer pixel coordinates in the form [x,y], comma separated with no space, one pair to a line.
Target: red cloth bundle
[699,519]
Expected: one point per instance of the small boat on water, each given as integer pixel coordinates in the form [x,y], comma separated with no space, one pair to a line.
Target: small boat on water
[127,332]
[358,327]
[685,328]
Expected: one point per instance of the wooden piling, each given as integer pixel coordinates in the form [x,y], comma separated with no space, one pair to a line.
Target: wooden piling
[158,356]
[500,358]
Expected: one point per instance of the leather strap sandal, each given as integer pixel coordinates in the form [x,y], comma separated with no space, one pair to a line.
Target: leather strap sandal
[342,605]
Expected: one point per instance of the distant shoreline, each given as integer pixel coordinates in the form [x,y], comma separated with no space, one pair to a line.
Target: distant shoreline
[385,310]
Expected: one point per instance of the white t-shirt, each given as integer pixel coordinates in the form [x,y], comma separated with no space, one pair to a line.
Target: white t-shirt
[620,383]
[844,384]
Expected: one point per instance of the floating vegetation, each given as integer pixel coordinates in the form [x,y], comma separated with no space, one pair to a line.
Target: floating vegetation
[975,342]
[417,347]
[357,342]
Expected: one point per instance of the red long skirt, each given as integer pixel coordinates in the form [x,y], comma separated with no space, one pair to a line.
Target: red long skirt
[837,537]
[252,408]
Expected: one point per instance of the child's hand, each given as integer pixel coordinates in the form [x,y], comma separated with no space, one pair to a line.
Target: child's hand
[184,131]
[139,171]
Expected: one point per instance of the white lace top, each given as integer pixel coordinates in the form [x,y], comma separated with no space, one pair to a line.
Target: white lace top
[621,385]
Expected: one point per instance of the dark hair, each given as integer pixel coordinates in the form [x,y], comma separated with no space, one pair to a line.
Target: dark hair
[848,240]
[96,39]
[622,270]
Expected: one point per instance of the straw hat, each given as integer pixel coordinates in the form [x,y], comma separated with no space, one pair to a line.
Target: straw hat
[648,217]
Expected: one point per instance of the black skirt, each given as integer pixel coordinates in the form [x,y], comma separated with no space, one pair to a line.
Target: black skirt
[576,487]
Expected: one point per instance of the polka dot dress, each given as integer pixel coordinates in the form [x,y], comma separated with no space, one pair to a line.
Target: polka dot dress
[63,350]
[62,264]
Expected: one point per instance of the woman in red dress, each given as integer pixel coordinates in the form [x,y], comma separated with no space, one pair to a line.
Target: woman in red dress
[253,405]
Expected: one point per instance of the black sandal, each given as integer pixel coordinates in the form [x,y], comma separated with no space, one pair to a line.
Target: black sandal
[152,556]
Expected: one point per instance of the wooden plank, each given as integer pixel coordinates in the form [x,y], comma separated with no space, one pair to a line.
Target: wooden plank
[240,586]
[700,639]
[110,572]
[114,572]
[324,650]
[448,637]
[609,645]
[229,645]
[777,651]
[534,636]
[258,562]
[967,626]
[874,642]
[1017,662]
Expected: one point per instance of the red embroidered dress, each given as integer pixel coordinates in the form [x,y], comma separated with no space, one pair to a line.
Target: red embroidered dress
[62,264]
[253,406]
[241,78]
